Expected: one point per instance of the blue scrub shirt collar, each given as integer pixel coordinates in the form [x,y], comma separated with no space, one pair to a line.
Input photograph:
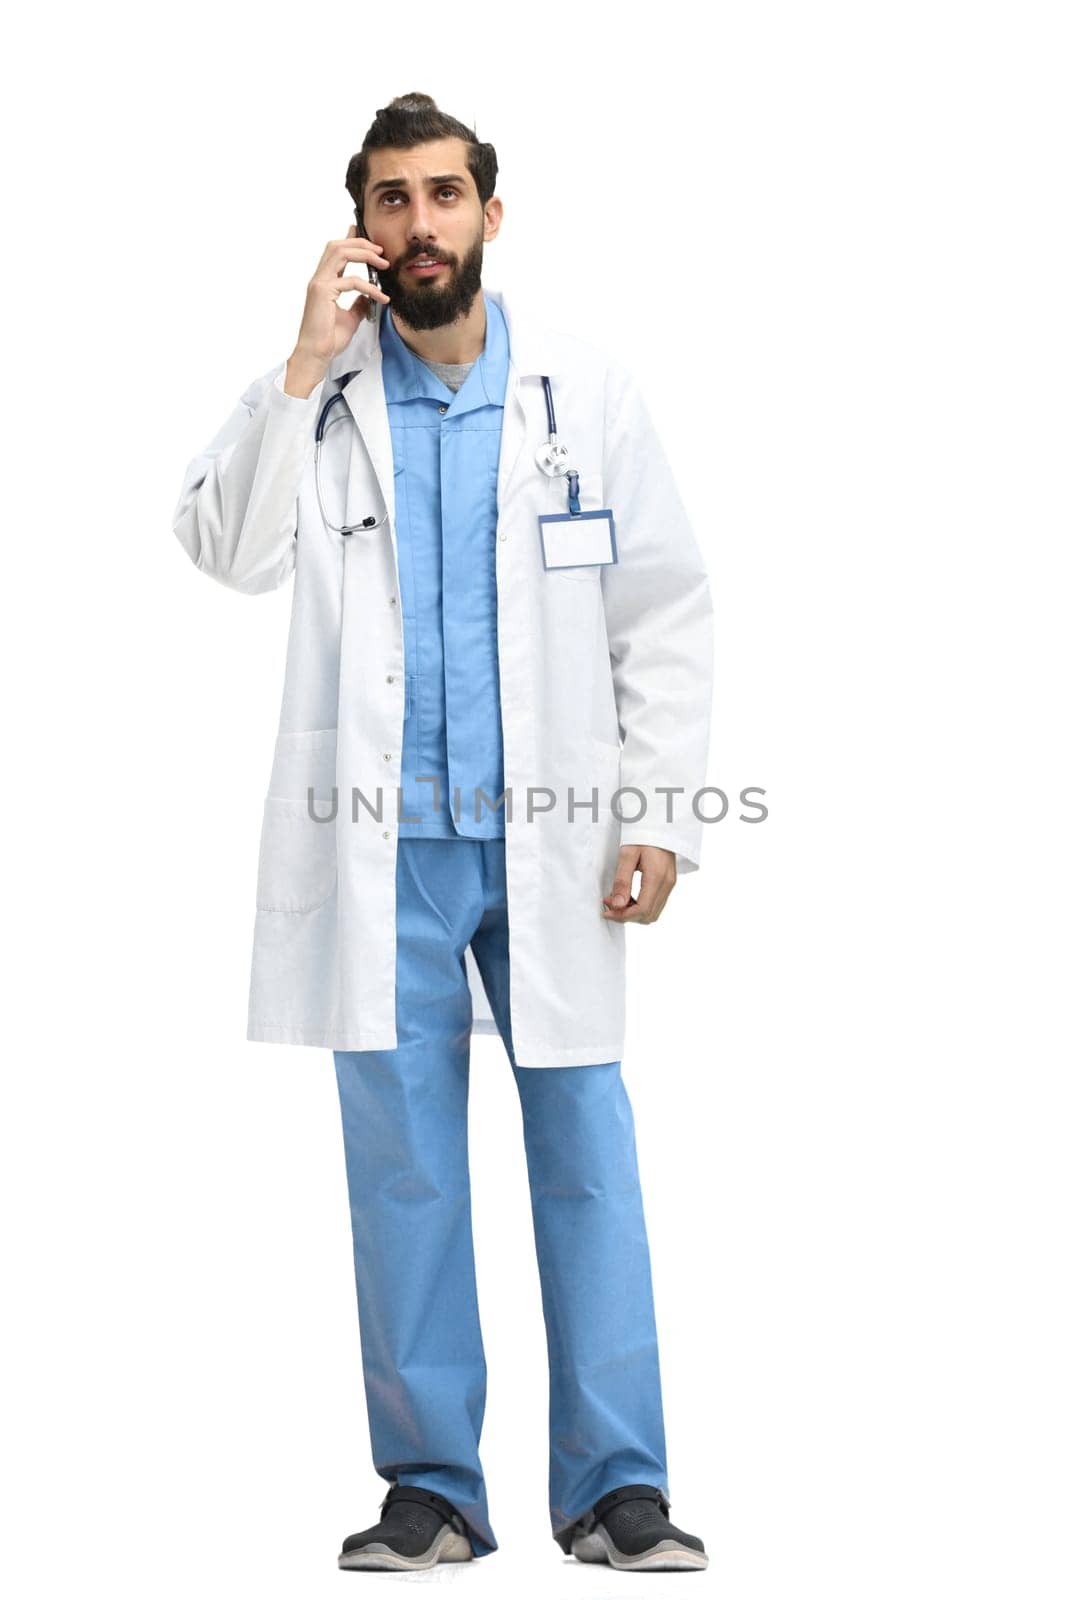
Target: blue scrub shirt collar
[407,377]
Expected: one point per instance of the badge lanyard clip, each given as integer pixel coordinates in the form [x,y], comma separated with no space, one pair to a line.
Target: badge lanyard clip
[573,502]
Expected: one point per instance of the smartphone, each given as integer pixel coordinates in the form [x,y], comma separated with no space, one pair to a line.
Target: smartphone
[372,312]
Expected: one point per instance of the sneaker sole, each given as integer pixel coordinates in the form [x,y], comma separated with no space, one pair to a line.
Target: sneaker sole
[667,1556]
[448,1545]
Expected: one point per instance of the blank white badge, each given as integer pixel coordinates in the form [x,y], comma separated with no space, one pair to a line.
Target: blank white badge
[586,539]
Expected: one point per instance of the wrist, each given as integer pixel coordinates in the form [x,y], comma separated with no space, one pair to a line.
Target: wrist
[303,374]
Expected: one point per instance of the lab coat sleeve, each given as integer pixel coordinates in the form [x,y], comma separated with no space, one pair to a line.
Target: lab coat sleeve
[236,514]
[660,625]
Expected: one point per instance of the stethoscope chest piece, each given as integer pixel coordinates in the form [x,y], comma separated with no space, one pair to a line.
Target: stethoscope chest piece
[553,458]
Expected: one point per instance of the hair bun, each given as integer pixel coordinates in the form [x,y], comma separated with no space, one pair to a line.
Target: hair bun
[411,102]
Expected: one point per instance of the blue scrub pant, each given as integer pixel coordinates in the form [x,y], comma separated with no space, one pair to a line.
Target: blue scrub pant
[404,1117]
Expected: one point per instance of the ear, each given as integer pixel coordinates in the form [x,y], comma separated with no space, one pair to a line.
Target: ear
[493,216]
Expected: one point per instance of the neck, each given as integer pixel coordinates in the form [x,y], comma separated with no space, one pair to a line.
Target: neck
[456,343]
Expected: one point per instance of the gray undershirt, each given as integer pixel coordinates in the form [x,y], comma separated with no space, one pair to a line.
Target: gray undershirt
[451,373]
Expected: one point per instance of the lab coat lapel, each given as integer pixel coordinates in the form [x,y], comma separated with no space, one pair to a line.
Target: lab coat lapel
[365,397]
[532,354]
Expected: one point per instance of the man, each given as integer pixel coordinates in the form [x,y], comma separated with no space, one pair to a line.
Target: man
[480,610]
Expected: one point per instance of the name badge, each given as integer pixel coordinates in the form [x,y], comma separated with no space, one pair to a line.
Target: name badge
[584,539]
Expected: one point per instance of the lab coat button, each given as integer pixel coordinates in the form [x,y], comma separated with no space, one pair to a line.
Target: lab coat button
[385,833]
[386,756]
[389,678]
[392,599]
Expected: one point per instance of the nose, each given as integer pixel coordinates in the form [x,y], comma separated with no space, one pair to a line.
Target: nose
[420,227]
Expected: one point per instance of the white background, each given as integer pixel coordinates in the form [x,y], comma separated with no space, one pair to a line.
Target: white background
[829,239]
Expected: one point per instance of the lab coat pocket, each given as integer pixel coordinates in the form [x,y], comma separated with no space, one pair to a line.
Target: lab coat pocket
[297,857]
[590,498]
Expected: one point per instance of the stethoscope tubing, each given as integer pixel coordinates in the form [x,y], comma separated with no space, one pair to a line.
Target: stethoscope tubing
[552,450]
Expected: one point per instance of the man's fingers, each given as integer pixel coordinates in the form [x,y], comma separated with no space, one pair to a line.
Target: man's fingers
[364,287]
[657,881]
[649,902]
[366,245]
[339,252]
[619,893]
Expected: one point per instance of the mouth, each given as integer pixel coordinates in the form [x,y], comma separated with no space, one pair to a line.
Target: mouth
[425,266]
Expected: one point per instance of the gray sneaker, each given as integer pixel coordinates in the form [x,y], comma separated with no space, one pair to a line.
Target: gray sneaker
[418,1529]
[628,1528]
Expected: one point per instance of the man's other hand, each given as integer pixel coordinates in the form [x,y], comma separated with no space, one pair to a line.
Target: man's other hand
[658,877]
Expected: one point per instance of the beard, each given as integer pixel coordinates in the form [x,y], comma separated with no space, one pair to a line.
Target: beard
[426,304]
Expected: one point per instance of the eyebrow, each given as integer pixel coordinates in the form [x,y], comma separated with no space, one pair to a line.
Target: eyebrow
[401,183]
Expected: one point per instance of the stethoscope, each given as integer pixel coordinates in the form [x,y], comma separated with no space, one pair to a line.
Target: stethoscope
[552,458]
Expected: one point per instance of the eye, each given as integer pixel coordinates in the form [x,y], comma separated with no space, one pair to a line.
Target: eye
[395,194]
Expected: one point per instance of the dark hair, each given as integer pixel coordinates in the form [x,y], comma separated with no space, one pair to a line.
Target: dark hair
[412,119]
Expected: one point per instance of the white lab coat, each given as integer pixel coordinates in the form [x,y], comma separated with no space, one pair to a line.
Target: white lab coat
[588,657]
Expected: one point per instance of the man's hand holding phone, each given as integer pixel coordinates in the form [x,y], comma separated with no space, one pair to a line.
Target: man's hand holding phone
[326,330]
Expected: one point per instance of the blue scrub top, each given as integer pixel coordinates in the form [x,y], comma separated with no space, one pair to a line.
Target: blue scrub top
[446,450]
